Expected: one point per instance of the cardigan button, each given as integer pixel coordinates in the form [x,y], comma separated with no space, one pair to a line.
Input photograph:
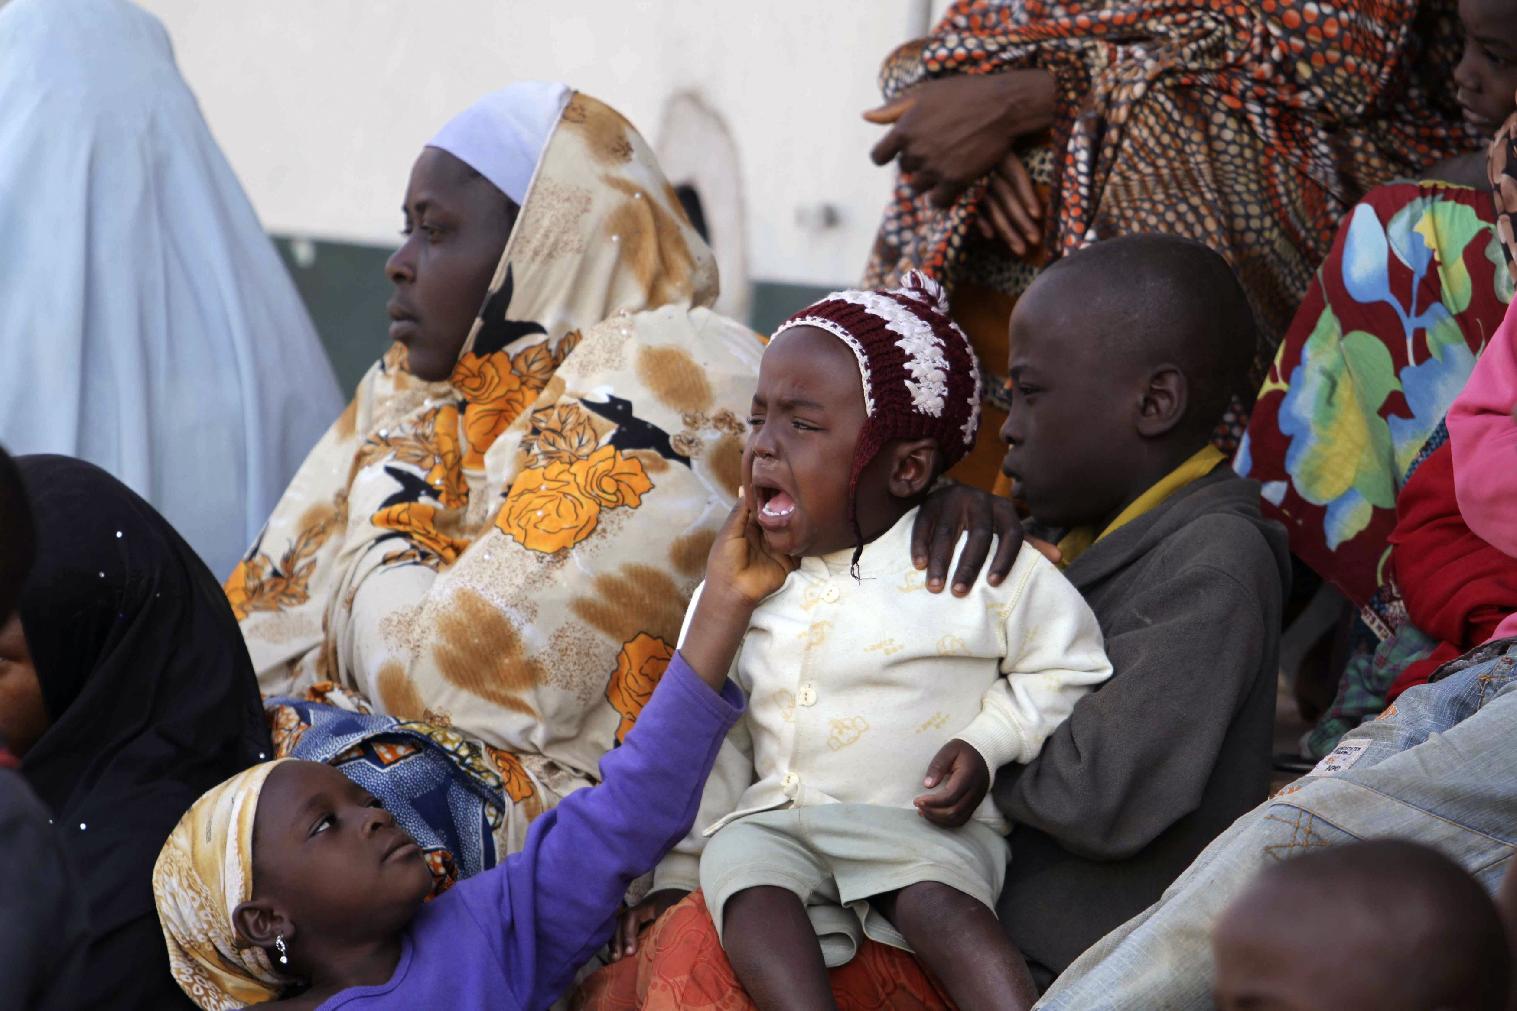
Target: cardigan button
[806,696]
[831,595]
[791,784]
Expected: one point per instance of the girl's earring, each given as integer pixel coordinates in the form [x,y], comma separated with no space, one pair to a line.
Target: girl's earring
[284,958]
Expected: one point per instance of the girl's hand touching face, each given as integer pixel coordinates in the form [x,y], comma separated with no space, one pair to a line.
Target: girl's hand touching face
[740,565]
[740,572]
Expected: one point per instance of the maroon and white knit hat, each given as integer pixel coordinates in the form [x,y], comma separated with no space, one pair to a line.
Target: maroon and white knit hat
[921,377]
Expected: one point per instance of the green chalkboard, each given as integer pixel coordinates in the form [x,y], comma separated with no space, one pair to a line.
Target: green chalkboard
[345,290]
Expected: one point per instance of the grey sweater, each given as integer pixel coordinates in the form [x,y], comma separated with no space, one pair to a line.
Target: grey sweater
[1156,762]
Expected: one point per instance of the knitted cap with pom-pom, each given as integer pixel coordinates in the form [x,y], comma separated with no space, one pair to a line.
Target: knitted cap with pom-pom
[920,375]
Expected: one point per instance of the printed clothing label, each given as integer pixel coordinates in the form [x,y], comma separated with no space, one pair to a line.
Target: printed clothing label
[1341,759]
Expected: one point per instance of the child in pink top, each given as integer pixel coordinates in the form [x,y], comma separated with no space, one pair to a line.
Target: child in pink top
[1483,439]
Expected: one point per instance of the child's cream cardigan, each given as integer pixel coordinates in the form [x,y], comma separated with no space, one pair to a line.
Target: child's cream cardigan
[854,684]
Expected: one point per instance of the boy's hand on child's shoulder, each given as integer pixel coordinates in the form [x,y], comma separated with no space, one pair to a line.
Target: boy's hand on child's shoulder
[949,513]
[632,921]
[957,781]
[740,565]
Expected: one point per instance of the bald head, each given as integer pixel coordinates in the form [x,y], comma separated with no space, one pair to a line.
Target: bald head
[1385,924]
[1124,356]
[1164,300]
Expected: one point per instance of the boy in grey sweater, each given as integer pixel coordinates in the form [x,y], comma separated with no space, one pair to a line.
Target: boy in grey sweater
[1124,358]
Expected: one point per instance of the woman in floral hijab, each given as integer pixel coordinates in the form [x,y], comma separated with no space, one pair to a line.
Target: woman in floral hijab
[498,554]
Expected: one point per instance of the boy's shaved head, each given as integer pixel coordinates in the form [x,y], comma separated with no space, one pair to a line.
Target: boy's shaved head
[1385,924]
[1165,299]
[1124,357]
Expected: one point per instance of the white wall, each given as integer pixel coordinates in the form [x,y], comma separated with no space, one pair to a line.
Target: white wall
[321,105]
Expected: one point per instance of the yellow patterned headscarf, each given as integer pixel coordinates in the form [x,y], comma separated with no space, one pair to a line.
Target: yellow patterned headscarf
[204,872]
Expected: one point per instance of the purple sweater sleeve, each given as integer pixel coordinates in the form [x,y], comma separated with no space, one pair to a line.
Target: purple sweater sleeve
[559,896]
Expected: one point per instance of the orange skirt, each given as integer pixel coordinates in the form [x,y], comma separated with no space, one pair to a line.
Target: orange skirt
[680,964]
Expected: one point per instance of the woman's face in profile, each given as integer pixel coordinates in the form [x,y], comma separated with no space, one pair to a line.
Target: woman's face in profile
[456,227]
[23,717]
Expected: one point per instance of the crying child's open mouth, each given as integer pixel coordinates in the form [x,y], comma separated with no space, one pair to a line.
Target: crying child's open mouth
[776,507]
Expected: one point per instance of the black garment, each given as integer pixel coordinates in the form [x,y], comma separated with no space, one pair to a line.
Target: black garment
[16,536]
[1156,762]
[42,922]
[152,700]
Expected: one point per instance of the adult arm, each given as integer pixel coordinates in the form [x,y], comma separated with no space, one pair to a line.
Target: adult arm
[1134,756]
[280,589]
[948,132]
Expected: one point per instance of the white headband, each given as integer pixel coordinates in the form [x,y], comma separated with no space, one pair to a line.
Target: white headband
[502,135]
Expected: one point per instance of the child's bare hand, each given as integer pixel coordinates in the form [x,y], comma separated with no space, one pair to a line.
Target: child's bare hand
[740,564]
[632,921]
[740,572]
[957,781]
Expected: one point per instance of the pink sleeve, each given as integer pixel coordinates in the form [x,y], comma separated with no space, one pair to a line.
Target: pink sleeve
[1483,439]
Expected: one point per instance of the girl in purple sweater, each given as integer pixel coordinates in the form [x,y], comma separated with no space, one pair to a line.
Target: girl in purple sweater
[290,883]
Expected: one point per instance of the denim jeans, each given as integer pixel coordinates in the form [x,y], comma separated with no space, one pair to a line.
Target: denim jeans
[1439,768]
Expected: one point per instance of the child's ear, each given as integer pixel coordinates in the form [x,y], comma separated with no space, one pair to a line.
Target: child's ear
[1163,401]
[913,466]
[260,922]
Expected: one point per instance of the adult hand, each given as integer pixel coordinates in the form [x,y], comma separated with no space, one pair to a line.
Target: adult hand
[1012,209]
[948,132]
[958,779]
[633,921]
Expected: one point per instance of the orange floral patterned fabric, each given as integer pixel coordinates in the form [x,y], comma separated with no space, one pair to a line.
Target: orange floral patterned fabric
[557,505]
[547,510]
[418,522]
[639,666]
[518,785]
[680,964]
[259,584]
[479,554]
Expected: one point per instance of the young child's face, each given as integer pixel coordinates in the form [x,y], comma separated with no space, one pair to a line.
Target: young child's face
[808,411]
[1486,75]
[1069,429]
[331,857]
